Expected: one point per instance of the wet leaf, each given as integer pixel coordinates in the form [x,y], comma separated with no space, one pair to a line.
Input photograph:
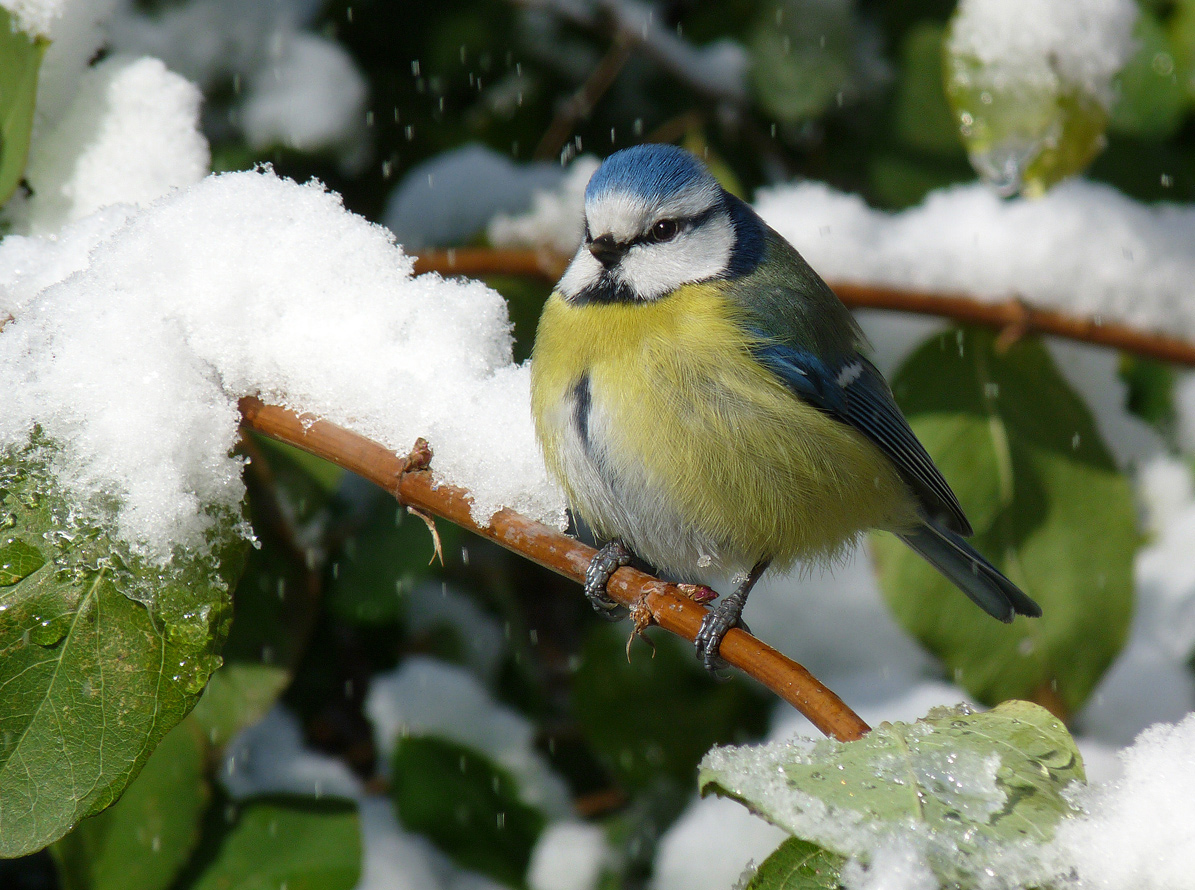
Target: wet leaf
[1049,508]
[923,118]
[18,560]
[801,58]
[92,677]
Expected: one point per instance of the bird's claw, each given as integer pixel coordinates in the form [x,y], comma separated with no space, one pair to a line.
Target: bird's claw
[605,563]
[716,624]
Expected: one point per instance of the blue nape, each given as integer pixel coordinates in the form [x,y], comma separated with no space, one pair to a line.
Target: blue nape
[651,172]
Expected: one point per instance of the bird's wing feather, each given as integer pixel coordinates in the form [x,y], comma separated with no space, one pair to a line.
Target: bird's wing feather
[853,391]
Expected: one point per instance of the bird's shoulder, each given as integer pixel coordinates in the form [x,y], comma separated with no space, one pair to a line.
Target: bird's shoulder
[785,301]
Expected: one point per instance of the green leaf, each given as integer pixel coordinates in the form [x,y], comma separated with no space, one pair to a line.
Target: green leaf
[649,716]
[801,57]
[382,563]
[922,116]
[18,560]
[964,785]
[798,865]
[466,804]
[269,843]
[1049,508]
[1022,133]
[20,59]
[1181,31]
[236,697]
[1152,97]
[91,679]
[143,840]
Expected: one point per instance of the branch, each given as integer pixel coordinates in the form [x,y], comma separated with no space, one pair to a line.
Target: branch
[410,481]
[1013,317]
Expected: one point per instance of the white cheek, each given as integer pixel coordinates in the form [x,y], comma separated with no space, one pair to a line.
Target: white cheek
[584,271]
[653,270]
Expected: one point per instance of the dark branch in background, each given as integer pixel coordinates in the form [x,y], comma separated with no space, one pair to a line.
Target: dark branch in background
[633,24]
[1013,318]
[410,481]
[582,102]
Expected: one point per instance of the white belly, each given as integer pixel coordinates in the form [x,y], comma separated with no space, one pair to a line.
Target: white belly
[610,489]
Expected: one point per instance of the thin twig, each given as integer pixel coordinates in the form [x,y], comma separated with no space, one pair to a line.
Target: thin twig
[581,103]
[409,480]
[1014,318]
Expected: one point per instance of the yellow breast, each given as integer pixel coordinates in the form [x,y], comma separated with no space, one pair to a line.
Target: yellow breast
[685,427]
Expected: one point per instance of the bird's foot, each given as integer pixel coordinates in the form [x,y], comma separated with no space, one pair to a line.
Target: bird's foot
[719,620]
[605,563]
[714,627]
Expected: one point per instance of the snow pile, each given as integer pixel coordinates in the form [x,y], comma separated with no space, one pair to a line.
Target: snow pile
[569,855]
[1046,45]
[301,90]
[556,215]
[35,17]
[1138,832]
[310,98]
[248,284]
[711,844]
[1136,266]
[449,198]
[270,758]
[131,135]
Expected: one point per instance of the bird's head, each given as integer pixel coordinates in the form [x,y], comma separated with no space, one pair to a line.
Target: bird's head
[656,219]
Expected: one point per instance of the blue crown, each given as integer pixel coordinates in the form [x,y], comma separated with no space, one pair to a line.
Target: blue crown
[652,172]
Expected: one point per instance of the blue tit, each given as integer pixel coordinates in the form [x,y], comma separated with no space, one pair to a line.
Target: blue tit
[700,394]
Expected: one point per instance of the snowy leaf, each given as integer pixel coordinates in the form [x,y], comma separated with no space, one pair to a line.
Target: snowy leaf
[91,677]
[798,865]
[962,784]
[20,59]
[1049,508]
[278,842]
[466,803]
[143,840]
[1030,84]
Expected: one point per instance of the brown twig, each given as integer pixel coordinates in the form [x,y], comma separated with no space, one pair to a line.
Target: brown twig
[412,484]
[1014,318]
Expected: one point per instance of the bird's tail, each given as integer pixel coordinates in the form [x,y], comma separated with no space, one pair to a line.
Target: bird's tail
[970,572]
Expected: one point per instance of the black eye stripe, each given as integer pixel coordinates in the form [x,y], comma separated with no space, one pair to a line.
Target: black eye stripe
[683,223]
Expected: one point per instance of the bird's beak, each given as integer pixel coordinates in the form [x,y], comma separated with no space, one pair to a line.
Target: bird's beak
[606,250]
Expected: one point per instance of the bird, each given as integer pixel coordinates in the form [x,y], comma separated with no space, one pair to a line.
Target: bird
[703,399]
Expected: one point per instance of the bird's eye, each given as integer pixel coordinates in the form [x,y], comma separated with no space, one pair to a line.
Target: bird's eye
[664,230]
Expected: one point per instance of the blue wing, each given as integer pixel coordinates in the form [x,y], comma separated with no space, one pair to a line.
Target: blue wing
[854,392]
